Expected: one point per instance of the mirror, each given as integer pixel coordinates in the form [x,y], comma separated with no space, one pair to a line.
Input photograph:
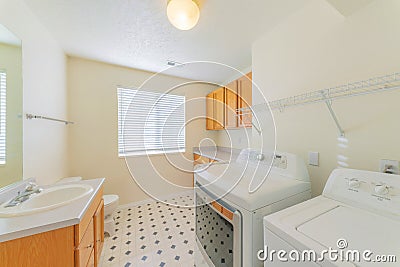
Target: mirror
[10,107]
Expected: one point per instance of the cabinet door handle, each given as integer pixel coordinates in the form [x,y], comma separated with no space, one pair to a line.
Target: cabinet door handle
[79,248]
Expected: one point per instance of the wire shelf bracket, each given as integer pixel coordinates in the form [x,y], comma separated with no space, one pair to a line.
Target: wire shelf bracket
[333,115]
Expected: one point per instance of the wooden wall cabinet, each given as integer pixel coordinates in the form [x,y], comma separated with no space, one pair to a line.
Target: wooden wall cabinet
[223,103]
[216,110]
[231,105]
[210,111]
[245,99]
[77,245]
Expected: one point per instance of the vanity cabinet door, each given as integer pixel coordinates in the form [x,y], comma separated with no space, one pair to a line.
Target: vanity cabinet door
[48,249]
[91,262]
[98,232]
[85,248]
[89,234]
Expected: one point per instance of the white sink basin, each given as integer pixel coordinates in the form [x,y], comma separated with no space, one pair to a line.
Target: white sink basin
[48,199]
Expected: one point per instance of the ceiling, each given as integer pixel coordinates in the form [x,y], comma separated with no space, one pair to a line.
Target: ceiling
[137,34]
[346,7]
[7,37]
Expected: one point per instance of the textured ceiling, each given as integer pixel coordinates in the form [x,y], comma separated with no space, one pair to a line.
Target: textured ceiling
[136,33]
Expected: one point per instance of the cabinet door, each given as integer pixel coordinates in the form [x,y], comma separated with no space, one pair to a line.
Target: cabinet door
[48,249]
[219,108]
[210,111]
[245,88]
[85,248]
[91,262]
[98,232]
[231,105]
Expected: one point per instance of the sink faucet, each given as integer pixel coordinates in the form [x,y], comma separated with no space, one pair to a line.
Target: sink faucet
[30,189]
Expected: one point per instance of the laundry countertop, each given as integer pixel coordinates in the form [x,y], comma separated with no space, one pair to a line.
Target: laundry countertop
[64,216]
[218,153]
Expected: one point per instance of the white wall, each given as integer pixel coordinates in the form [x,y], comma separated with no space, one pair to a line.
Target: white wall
[93,140]
[44,83]
[317,48]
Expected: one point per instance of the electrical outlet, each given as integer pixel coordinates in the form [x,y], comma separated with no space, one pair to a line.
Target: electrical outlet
[313,158]
[389,166]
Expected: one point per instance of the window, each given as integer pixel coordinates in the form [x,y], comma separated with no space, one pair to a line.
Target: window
[150,123]
[3,87]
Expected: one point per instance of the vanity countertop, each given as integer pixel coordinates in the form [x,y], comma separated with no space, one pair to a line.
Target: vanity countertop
[218,153]
[64,216]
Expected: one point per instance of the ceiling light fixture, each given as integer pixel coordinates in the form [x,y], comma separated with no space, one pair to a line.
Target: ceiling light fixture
[183,14]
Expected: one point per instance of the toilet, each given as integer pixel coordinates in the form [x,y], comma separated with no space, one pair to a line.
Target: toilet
[110,205]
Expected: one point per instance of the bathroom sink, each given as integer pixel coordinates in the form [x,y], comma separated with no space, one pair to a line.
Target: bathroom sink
[50,198]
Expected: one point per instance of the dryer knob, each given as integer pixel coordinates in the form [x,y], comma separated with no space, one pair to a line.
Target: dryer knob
[381,189]
[354,183]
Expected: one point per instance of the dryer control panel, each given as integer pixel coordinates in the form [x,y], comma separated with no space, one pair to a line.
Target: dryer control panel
[365,189]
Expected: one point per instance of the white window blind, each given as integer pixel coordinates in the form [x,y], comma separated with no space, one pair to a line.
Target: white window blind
[3,109]
[150,122]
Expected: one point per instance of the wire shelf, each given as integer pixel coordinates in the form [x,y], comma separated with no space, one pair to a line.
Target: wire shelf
[373,85]
[370,86]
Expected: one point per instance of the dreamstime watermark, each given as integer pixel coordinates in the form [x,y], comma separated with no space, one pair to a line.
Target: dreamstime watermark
[339,254]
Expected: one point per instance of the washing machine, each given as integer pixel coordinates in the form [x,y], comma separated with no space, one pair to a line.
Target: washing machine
[232,199]
[357,218]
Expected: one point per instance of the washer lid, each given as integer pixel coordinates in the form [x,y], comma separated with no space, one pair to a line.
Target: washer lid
[361,230]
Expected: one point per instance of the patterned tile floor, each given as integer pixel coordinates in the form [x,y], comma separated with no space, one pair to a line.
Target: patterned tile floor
[153,234]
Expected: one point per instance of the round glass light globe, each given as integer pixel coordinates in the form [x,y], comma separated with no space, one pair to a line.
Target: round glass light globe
[183,14]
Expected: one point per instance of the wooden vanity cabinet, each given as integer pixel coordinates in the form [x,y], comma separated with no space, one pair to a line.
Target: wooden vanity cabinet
[98,232]
[89,234]
[77,245]
[84,250]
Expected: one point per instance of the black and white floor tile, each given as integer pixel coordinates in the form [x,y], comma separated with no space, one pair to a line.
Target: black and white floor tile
[153,234]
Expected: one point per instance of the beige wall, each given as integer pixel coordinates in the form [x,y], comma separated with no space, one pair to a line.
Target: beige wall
[11,62]
[92,104]
[318,48]
[44,90]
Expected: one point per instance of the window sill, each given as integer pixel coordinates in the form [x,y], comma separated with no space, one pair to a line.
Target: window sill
[151,153]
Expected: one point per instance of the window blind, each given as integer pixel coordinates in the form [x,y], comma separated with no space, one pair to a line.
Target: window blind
[150,122]
[3,110]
